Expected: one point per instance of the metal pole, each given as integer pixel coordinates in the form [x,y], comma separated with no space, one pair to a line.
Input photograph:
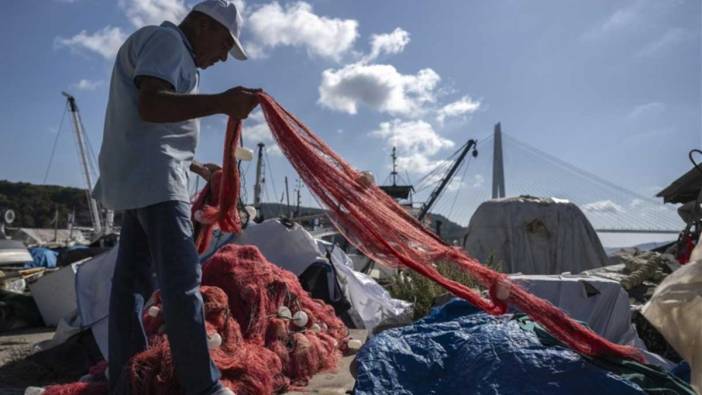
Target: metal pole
[299,197]
[92,204]
[498,170]
[258,187]
[394,166]
[287,196]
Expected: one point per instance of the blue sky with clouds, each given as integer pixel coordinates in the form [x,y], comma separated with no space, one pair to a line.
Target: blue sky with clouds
[610,86]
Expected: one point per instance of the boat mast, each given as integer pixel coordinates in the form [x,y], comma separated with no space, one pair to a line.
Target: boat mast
[258,187]
[80,139]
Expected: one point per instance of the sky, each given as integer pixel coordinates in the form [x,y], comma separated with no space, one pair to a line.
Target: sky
[612,87]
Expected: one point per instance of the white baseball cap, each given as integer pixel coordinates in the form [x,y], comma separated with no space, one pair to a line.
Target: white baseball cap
[225,12]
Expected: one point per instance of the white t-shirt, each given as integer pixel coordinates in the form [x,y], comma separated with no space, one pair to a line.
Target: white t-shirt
[144,163]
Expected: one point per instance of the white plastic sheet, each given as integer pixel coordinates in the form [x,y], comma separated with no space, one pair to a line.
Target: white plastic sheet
[676,311]
[294,249]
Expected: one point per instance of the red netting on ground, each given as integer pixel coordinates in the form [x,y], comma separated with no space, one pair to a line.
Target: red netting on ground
[261,350]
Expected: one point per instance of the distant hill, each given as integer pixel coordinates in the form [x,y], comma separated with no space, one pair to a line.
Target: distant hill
[450,230]
[36,205]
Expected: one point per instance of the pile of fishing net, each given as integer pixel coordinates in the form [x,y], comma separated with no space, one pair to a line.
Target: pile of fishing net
[266,334]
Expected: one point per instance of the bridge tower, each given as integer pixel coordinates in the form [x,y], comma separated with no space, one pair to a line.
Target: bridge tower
[498,170]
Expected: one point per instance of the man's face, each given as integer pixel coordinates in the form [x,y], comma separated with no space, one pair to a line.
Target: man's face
[212,43]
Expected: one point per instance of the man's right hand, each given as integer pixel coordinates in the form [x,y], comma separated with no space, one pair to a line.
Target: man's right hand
[239,102]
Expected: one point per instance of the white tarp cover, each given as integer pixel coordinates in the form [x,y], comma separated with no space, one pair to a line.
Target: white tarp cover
[676,311]
[601,303]
[93,284]
[534,236]
[294,249]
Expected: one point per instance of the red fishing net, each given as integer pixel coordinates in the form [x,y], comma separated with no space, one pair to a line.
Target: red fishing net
[261,352]
[266,334]
[379,227]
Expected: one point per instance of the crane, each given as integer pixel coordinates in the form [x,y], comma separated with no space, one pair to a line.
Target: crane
[471,144]
[82,153]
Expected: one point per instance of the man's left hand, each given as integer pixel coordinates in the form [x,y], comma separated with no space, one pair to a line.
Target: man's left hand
[204,170]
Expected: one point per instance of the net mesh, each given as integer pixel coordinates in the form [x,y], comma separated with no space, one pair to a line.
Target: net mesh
[379,227]
[257,349]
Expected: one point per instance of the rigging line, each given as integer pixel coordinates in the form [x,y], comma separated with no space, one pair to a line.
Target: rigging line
[270,172]
[692,159]
[442,163]
[443,191]
[53,149]
[458,190]
[431,179]
[91,153]
[576,170]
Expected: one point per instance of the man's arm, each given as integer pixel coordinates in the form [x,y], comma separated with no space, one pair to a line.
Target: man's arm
[158,102]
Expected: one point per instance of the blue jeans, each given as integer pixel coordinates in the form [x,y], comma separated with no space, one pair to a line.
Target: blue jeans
[159,239]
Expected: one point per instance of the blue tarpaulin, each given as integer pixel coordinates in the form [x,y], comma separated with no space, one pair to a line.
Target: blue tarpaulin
[458,349]
[42,257]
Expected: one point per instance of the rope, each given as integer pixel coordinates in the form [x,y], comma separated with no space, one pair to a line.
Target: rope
[53,148]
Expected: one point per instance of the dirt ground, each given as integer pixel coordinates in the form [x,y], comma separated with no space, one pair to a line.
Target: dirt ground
[14,348]
[17,371]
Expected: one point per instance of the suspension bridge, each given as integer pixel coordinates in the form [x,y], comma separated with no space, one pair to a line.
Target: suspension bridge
[507,166]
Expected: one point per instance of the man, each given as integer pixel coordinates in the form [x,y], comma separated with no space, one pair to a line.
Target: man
[151,131]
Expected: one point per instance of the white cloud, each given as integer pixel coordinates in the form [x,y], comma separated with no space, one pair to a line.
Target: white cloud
[416,142]
[240,6]
[86,85]
[603,206]
[105,42]
[390,43]
[256,131]
[464,106]
[380,87]
[647,110]
[617,21]
[620,19]
[296,25]
[478,181]
[669,39]
[153,12]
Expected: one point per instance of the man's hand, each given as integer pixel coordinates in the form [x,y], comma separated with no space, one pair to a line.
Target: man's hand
[204,170]
[239,102]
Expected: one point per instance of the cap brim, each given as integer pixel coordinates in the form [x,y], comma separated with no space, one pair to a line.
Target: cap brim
[237,50]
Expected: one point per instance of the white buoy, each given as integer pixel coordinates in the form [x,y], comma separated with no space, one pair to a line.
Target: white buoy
[34,391]
[214,341]
[300,319]
[243,153]
[324,327]
[354,345]
[316,328]
[250,211]
[153,311]
[284,313]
